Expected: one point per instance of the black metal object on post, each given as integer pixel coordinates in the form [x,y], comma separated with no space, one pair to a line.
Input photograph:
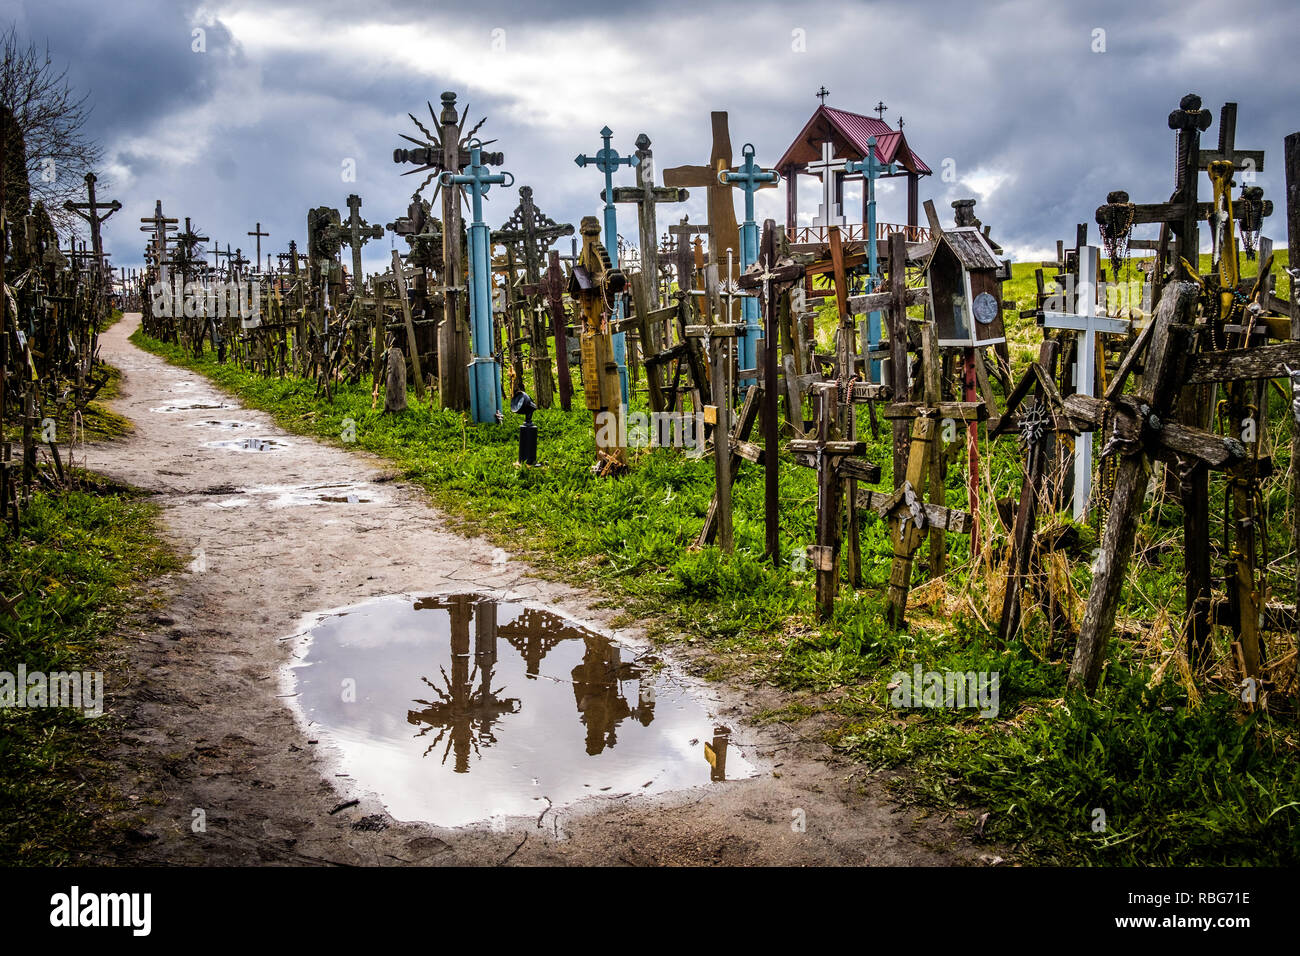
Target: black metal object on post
[522,404]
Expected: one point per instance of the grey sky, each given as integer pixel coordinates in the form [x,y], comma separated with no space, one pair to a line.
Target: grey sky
[1038,126]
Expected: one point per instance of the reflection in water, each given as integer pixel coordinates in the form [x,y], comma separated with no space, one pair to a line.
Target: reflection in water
[466,708]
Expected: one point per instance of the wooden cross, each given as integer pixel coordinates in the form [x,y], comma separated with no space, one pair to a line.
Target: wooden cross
[645,195]
[89,211]
[258,235]
[159,225]
[836,460]
[1087,323]
[356,235]
[910,517]
[830,169]
[774,278]
[724,232]
[1142,427]
[1036,423]
[682,233]
[399,282]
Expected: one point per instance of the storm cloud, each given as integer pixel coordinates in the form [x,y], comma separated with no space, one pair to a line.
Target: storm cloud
[1037,108]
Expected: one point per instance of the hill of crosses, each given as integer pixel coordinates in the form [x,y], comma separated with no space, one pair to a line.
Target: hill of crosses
[426,458]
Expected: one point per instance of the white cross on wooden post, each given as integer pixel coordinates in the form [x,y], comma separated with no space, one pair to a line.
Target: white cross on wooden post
[1086,322]
[830,169]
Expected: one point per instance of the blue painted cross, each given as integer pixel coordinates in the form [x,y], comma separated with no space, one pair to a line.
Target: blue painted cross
[750,177]
[607,160]
[872,169]
[484,368]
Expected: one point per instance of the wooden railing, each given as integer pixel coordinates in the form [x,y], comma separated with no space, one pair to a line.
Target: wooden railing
[857,232]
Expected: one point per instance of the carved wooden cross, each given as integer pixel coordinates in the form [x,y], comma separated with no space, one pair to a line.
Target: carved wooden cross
[646,196]
[356,235]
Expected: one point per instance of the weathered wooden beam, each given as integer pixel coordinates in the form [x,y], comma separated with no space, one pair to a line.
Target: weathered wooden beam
[1265,361]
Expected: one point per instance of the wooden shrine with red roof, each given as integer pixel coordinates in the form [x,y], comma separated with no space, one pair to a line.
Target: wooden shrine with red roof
[829,140]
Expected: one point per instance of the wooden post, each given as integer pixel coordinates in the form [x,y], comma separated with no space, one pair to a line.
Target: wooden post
[826,554]
[723,335]
[399,281]
[898,371]
[1292,160]
[741,449]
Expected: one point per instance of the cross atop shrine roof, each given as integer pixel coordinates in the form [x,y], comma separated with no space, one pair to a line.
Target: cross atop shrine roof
[849,133]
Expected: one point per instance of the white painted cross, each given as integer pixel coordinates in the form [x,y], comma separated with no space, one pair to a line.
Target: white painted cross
[1086,322]
[830,169]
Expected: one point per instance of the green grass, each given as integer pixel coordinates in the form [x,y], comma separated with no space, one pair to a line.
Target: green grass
[77,562]
[1193,784]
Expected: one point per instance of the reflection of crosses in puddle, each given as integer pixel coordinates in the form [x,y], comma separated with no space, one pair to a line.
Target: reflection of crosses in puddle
[597,690]
[466,708]
[534,634]
[463,715]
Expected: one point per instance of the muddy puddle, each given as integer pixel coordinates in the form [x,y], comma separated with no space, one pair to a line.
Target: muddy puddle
[295,496]
[192,406]
[221,424]
[249,444]
[459,709]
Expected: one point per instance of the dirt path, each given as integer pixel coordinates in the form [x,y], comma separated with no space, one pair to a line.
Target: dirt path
[206,730]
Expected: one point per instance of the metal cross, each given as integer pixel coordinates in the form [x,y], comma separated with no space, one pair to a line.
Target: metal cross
[750,177]
[607,160]
[822,93]
[872,169]
[485,370]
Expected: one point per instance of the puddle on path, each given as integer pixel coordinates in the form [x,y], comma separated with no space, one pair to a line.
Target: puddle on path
[192,406]
[224,423]
[291,496]
[336,493]
[249,444]
[458,709]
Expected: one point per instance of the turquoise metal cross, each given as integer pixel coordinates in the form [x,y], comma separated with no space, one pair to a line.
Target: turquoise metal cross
[484,368]
[872,169]
[750,177]
[607,160]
